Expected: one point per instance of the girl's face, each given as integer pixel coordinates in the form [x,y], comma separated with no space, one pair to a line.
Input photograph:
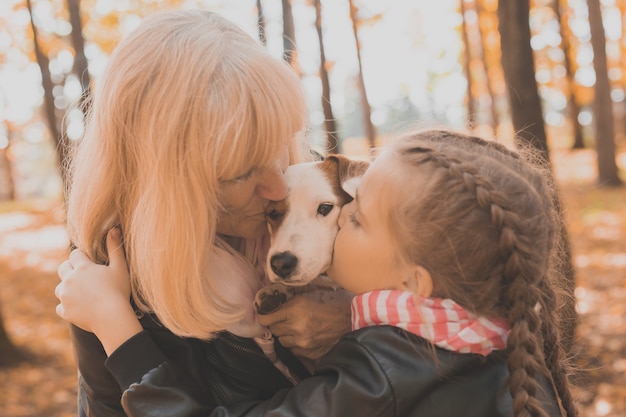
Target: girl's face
[365,257]
[245,197]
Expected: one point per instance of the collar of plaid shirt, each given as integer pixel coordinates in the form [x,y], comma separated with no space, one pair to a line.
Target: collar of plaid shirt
[440,321]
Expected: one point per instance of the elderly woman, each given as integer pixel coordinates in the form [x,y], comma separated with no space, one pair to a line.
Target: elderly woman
[192,125]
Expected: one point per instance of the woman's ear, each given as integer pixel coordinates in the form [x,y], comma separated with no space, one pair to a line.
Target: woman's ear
[418,281]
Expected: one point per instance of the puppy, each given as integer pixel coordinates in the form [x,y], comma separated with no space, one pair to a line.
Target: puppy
[303,228]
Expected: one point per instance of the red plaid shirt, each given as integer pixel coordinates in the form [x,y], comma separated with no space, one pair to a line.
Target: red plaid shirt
[440,321]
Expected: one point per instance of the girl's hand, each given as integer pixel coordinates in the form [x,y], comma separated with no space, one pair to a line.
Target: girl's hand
[95,297]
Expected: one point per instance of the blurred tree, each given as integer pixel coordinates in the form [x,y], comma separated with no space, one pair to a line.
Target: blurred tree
[9,353]
[573,108]
[7,190]
[370,130]
[602,105]
[81,68]
[261,22]
[482,48]
[289,35]
[7,165]
[526,112]
[622,61]
[519,74]
[467,67]
[54,124]
[330,124]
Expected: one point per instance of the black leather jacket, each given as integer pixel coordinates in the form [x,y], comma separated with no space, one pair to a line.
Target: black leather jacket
[222,371]
[375,371]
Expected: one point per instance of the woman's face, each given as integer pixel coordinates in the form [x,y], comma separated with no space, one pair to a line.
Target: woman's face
[245,197]
[365,256]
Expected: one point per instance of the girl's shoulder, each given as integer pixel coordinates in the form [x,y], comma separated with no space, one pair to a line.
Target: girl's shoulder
[391,340]
[410,360]
[415,367]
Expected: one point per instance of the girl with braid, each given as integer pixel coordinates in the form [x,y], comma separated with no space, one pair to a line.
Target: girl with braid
[449,245]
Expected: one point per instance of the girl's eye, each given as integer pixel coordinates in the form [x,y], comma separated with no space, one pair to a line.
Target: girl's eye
[353,219]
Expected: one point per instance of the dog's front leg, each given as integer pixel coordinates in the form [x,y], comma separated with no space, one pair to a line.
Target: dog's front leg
[271,297]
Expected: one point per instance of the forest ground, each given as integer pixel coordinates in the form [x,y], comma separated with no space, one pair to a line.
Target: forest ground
[33,242]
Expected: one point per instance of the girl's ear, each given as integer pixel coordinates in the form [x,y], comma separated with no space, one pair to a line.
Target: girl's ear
[418,281]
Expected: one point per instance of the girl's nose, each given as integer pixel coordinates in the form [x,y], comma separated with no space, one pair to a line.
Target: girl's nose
[343,215]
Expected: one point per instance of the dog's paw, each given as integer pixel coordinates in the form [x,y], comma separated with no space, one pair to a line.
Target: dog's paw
[270,298]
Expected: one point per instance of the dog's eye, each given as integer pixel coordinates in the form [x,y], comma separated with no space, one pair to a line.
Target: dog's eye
[324,208]
[272,215]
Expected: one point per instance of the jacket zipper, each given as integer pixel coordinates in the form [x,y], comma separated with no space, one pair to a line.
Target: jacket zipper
[239,345]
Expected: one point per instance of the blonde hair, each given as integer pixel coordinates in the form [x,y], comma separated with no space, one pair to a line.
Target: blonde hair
[482,223]
[187,99]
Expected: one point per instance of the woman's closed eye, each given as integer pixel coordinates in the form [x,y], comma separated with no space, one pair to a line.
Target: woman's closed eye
[242,178]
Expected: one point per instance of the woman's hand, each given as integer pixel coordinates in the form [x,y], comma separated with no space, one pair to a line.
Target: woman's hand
[95,297]
[311,323]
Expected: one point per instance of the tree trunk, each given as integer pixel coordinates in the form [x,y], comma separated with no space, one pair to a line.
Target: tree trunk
[50,110]
[9,353]
[261,22]
[81,67]
[471,101]
[573,109]
[332,142]
[495,119]
[370,131]
[602,104]
[620,122]
[7,165]
[519,75]
[289,34]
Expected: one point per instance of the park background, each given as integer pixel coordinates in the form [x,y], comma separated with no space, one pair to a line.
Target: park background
[369,69]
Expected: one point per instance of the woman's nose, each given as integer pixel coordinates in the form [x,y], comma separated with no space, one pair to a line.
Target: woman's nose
[273,185]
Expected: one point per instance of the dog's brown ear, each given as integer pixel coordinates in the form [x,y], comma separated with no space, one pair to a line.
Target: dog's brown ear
[348,173]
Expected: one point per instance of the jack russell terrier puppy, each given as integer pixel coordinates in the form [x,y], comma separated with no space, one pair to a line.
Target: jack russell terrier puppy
[303,228]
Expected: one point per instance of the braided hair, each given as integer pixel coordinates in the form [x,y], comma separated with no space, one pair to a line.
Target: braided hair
[482,223]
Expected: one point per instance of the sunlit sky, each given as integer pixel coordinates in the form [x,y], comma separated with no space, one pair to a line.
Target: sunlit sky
[412,53]
[413,50]
[402,54]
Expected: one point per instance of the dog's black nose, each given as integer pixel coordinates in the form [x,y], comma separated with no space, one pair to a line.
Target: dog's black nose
[283,264]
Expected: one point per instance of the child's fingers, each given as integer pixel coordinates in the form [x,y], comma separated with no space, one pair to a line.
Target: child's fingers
[115,248]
